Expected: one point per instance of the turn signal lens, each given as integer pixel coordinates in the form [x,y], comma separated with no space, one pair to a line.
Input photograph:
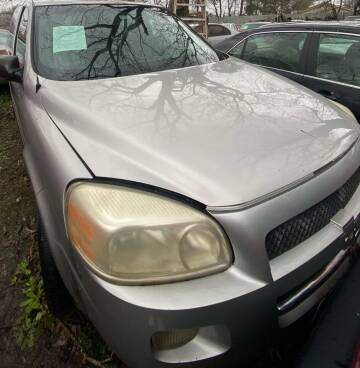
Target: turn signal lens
[345,109]
[131,236]
[172,339]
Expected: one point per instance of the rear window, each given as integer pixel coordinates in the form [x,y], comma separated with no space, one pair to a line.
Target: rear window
[74,42]
[217,30]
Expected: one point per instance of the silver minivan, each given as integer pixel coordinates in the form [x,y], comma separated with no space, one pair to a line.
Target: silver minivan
[190,203]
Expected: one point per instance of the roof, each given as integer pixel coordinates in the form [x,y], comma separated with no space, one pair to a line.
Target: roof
[259,22]
[316,25]
[342,26]
[74,2]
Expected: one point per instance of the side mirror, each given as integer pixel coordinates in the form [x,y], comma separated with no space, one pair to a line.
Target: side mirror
[10,69]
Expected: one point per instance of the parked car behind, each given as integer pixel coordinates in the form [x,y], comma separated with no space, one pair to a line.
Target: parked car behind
[5,42]
[190,203]
[233,27]
[218,32]
[352,18]
[5,47]
[324,56]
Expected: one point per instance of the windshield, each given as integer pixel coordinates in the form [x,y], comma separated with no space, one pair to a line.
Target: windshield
[74,42]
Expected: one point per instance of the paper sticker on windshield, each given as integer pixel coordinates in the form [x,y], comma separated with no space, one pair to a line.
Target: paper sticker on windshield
[69,38]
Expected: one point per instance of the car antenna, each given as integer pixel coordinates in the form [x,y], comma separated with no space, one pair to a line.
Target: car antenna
[38,85]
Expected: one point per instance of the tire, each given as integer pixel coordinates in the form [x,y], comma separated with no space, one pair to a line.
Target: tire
[58,299]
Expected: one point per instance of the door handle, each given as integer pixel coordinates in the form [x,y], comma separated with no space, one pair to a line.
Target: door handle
[329,94]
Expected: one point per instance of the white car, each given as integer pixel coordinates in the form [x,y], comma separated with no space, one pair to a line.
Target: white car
[218,32]
[352,17]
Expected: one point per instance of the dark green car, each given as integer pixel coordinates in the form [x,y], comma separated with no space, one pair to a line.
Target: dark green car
[323,56]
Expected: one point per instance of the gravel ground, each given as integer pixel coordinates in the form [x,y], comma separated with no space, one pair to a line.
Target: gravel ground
[17,243]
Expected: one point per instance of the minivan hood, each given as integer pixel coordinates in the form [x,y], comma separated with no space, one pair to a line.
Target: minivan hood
[223,134]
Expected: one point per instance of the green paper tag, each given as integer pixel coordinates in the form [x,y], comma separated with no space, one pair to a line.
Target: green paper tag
[69,38]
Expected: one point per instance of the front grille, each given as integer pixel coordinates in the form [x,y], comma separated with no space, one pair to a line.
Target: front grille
[299,228]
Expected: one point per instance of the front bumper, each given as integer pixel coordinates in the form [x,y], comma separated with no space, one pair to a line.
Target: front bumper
[238,316]
[234,322]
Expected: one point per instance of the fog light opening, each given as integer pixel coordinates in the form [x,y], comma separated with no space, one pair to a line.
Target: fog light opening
[171,339]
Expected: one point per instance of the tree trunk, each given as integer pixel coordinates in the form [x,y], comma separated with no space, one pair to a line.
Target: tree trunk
[357,7]
[339,10]
[216,11]
[241,7]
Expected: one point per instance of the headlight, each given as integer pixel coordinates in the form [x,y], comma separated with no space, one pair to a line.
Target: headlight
[131,236]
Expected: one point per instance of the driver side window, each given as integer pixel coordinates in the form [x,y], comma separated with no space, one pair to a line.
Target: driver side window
[237,50]
[275,50]
[20,43]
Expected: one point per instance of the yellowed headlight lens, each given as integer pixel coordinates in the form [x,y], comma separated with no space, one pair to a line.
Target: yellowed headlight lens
[131,236]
